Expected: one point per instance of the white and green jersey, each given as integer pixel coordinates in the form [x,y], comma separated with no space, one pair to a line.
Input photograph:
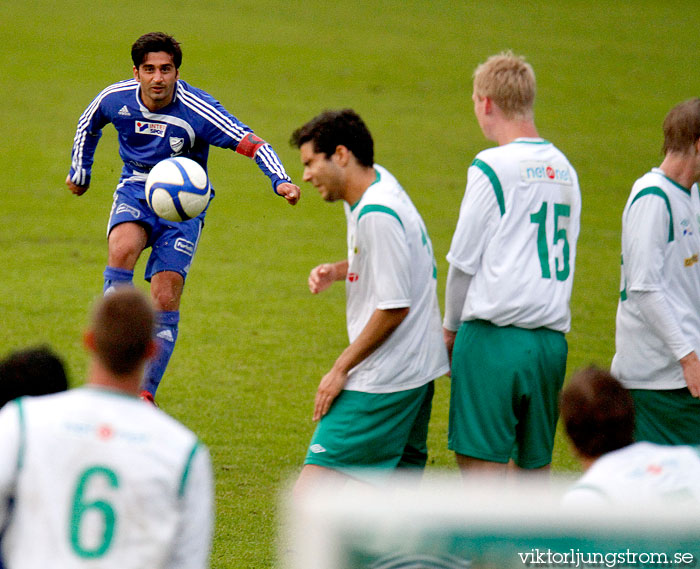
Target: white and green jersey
[101,479]
[643,473]
[391,265]
[660,254]
[516,234]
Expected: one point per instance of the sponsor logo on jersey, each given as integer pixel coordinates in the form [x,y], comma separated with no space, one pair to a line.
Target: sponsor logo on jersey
[124,208]
[105,432]
[152,128]
[124,112]
[316,449]
[352,277]
[690,261]
[685,224]
[184,246]
[177,144]
[535,171]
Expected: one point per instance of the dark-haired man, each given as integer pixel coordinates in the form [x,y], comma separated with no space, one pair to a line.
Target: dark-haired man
[657,339]
[374,404]
[97,477]
[598,415]
[157,115]
[31,371]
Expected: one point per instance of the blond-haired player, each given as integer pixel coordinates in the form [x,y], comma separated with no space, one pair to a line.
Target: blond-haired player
[510,278]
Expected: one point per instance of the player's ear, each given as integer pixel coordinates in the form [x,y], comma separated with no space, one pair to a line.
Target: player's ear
[136,72]
[341,155]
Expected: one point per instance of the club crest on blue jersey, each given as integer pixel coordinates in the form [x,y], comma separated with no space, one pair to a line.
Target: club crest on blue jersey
[177,144]
[152,128]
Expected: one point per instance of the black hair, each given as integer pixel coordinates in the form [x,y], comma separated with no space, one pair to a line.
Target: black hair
[153,42]
[331,129]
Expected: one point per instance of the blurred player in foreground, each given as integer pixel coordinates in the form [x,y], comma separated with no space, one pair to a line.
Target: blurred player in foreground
[157,115]
[510,279]
[32,371]
[374,404]
[98,478]
[657,336]
[598,414]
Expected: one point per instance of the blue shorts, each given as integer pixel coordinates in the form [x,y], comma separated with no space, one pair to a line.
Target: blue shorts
[173,244]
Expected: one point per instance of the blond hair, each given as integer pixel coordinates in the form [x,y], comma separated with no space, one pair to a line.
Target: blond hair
[509,81]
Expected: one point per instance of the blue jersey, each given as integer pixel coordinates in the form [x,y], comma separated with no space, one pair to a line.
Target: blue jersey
[187,126]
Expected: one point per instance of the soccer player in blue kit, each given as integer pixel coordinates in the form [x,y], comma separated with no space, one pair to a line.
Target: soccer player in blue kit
[157,115]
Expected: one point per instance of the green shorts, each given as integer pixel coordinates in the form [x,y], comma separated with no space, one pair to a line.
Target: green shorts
[666,417]
[505,389]
[377,430]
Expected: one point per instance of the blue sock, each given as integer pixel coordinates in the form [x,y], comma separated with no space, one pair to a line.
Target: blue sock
[115,277]
[166,335]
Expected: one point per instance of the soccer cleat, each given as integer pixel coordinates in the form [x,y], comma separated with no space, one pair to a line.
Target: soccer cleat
[146,396]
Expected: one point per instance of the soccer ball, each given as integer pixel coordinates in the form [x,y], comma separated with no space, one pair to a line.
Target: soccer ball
[177,189]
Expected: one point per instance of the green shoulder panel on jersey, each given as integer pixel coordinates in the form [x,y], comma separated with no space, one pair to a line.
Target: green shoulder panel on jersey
[495,182]
[655,191]
[22,434]
[623,292]
[186,471]
[379,208]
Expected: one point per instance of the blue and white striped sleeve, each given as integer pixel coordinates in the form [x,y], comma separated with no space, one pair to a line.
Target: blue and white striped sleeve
[224,130]
[87,135]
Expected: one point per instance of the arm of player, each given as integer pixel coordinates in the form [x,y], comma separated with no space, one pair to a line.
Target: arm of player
[691,372]
[74,188]
[289,192]
[267,160]
[456,291]
[660,318]
[380,326]
[192,544]
[323,276]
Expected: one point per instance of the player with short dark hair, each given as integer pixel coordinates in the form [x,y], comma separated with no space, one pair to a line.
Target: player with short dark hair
[374,405]
[154,42]
[332,128]
[157,115]
[97,477]
[510,279]
[31,371]
[598,415]
[657,338]
[597,412]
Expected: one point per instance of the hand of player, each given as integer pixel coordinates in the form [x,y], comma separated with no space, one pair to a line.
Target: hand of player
[448,336]
[289,192]
[321,277]
[691,373]
[330,387]
[74,188]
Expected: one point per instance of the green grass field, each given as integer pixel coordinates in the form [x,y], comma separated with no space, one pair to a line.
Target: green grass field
[253,342]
